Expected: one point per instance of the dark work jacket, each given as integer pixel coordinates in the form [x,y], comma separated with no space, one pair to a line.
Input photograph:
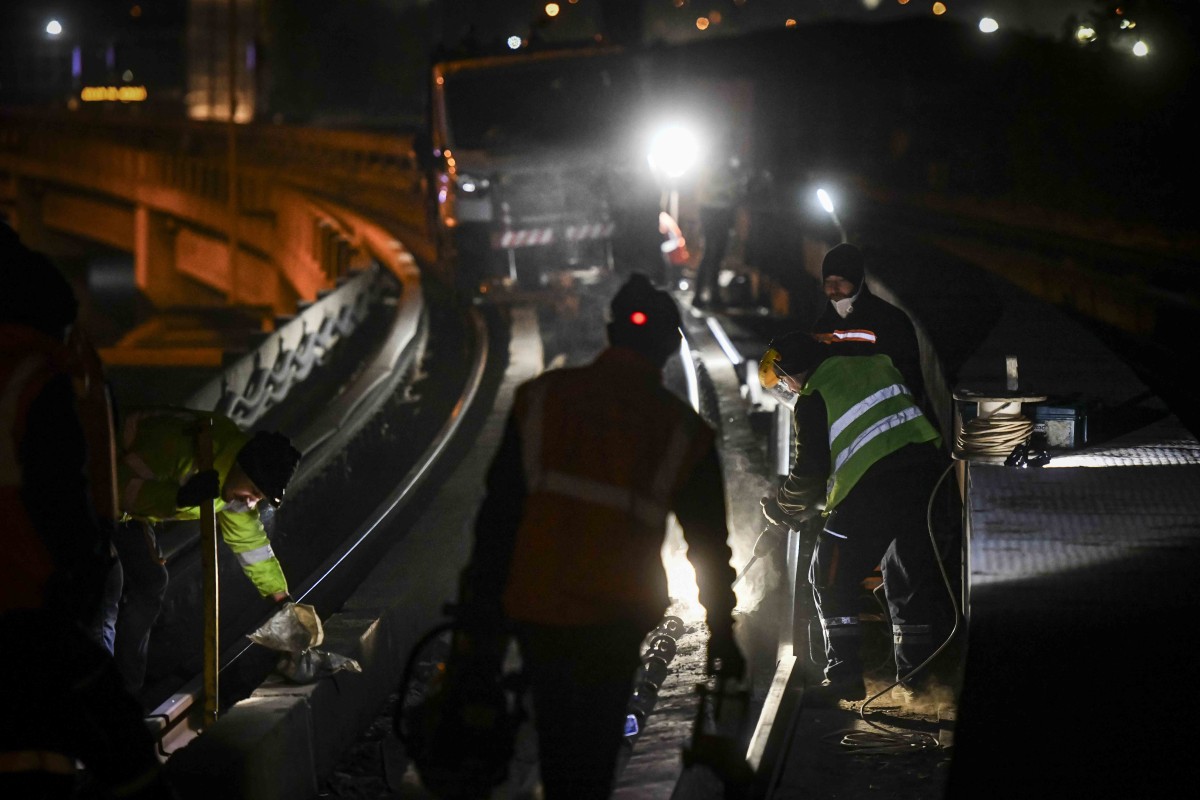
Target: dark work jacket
[894,333]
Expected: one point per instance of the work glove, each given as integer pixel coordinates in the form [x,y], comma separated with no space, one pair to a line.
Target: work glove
[204,485]
[725,659]
[773,512]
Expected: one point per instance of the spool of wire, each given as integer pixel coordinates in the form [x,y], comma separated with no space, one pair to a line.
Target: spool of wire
[993,436]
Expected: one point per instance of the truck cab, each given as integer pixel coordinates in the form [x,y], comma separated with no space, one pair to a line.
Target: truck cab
[538,172]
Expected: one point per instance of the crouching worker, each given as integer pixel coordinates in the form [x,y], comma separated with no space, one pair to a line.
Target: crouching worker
[159,480]
[568,539]
[867,454]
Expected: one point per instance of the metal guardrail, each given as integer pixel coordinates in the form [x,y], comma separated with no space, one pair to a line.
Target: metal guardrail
[262,378]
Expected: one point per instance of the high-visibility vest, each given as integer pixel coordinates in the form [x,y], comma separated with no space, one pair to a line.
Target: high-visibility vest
[606,448]
[158,455]
[28,361]
[871,413]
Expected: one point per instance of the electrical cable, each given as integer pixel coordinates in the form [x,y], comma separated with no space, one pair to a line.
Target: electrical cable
[882,740]
[995,435]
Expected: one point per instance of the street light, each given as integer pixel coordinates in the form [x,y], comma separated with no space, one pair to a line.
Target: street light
[827,203]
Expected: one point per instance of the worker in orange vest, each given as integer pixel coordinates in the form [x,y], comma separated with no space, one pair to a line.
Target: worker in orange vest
[568,539]
[62,702]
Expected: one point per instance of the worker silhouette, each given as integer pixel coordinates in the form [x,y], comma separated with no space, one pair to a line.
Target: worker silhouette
[62,704]
[568,539]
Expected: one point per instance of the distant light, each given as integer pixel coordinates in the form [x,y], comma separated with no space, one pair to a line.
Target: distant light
[1085,34]
[679,3]
[939,9]
[54,27]
[988,25]
[552,9]
[1126,24]
[135,11]
[127,75]
[702,23]
[514,43]
[673,151]
[902,2]
[825,200]
[714,17]
[789,23]
[1141,49]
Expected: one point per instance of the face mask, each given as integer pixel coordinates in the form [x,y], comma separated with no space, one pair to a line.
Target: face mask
[783,394]
[844,306]
[237,507]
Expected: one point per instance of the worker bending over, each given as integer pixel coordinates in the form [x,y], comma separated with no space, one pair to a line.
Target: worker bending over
[160,479]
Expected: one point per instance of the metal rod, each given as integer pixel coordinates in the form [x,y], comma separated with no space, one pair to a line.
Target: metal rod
[208,552]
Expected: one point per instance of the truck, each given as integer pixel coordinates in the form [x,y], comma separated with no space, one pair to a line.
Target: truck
[538,170]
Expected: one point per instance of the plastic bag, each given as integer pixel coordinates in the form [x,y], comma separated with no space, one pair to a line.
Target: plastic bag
[311,665]
[295,630]
[292,629]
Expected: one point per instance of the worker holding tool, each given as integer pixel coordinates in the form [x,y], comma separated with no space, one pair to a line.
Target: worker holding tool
[568,539]
[866,453]
[159,480]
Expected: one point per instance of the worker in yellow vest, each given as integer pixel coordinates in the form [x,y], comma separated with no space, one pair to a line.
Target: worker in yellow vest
[159,479]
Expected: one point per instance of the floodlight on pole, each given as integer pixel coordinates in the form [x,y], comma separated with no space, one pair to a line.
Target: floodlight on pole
[827,203]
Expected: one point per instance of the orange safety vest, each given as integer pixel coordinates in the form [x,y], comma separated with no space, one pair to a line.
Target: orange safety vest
[28,361]
[606,449]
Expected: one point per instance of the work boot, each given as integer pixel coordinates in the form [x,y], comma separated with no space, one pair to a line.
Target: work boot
[829,693]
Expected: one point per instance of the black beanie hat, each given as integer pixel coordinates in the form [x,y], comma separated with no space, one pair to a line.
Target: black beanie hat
[844,261]
[658,312]
[35,293]
[270,460]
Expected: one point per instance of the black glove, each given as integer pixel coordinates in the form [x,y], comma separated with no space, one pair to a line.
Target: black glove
[205,485]
[724,657]
[772,511]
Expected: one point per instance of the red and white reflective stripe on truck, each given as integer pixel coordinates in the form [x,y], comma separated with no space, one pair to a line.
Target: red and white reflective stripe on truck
[596,230]
[526,237]
[536,237]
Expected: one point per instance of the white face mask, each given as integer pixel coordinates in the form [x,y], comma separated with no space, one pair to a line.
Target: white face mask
[237,507]
[844,306]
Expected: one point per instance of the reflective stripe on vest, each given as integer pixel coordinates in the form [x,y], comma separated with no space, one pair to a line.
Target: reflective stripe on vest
[847,336]
[649,509]
[10,464]
[864,438]
[256,555]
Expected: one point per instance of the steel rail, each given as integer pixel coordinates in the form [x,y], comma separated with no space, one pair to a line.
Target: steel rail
[175,722]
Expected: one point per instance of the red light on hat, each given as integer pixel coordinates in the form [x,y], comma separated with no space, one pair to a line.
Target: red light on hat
[638,318]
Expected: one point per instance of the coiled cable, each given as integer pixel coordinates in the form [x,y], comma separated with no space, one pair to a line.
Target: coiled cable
[993,436]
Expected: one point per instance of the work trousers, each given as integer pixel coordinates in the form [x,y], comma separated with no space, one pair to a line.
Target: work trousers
[882,522]
[715,222]
[144,586]
[63,697]
[580,679]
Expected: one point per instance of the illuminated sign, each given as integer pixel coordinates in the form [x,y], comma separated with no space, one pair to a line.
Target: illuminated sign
[111,94]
